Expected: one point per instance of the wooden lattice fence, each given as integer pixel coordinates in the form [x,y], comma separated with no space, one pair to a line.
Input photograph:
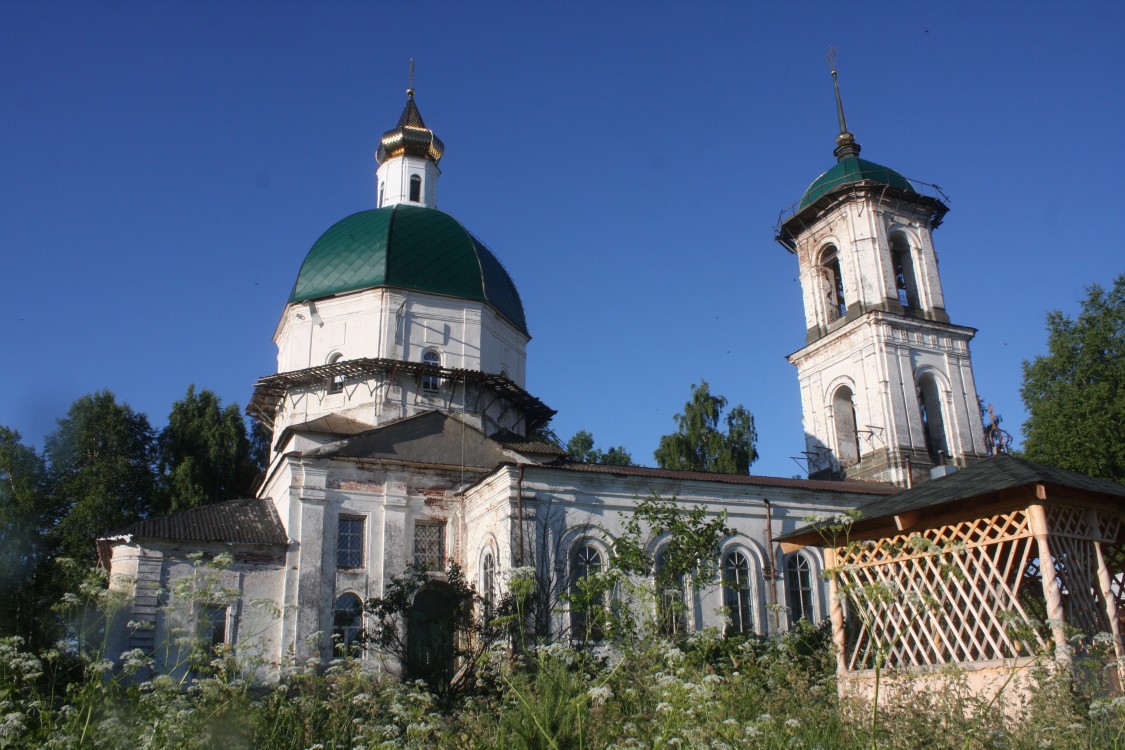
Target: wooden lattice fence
[953,593]
[974,590]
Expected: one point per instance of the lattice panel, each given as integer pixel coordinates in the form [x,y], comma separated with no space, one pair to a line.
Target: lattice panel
[979,531]
[1113,550]
[924,606]
[1076,565]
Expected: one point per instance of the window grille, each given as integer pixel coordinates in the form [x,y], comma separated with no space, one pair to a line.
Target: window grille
[429,545]
[349,542]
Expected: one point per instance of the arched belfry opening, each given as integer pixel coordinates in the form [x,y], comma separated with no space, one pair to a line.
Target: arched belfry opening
[902,265]
[847,427]
[933,419]
[835,304]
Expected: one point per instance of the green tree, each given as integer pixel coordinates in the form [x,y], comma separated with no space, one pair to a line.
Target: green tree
[205,453]
[699,445]
[101,469]
[27,513]
[581,448]
[1075,394]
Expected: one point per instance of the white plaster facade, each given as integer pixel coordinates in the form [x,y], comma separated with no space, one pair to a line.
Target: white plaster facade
[885,351]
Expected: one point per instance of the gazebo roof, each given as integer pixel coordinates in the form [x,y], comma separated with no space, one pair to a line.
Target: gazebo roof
[993,479]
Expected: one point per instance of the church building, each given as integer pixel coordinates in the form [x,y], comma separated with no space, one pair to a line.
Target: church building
[403,434]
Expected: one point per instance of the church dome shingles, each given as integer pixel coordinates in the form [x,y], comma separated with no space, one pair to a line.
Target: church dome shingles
[407,247]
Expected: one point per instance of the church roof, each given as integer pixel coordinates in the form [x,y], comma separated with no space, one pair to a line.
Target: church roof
[428,438]
[849,171]
[407,247]
[871,488]
[249,521]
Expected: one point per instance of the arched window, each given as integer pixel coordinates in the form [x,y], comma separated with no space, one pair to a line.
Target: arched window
[671,604]
[587,611]
[903,265]
[415,189]
[833,284]
[347,621]
[336,381]
[382,192]
[847,428]
[799,588]
[933,420]
[737,594]
[488,582]
[431,383]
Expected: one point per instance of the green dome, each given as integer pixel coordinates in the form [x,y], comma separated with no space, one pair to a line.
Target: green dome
[407,247]
[848,171]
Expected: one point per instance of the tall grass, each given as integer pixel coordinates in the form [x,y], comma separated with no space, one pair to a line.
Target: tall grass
[704,691]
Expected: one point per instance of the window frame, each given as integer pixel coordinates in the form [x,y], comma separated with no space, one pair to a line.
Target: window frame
[335,383]
[344,635]
[741,594]
[804,592]
[415,188]
[585,624]
[424,559]
[356,542]
[431,384]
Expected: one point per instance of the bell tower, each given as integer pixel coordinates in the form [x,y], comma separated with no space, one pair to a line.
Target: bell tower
[886,379]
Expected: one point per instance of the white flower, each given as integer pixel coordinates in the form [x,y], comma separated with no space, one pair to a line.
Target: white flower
[599,695]
[663,707]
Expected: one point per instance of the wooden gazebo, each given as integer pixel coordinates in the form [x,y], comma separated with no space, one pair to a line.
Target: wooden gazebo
[955,572]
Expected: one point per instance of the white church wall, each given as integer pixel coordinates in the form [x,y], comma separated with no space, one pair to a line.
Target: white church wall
[173,597]
[563,508]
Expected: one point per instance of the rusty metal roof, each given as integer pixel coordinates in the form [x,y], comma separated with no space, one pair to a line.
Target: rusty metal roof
[249,521]
[870,488]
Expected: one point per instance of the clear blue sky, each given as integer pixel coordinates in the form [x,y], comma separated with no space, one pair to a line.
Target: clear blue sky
[164,168]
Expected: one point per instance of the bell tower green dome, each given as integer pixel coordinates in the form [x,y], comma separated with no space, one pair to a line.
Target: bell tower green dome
[407,247]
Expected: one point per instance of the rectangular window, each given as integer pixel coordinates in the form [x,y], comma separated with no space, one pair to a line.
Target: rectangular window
[213,627]
[349,542]
[429,545]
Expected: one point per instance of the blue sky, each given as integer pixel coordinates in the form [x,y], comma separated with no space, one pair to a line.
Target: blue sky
[166,166]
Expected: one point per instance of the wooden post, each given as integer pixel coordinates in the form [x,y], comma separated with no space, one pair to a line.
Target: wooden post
[1105,582]
[836,611]
[1055,614]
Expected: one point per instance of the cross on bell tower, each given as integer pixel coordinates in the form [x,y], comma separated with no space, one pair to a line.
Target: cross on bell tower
[886,379]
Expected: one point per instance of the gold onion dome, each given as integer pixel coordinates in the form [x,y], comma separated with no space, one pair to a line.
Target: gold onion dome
[410,137]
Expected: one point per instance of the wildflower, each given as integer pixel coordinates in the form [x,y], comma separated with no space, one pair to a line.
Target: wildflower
[599,695]
[663,707]
[792,723]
